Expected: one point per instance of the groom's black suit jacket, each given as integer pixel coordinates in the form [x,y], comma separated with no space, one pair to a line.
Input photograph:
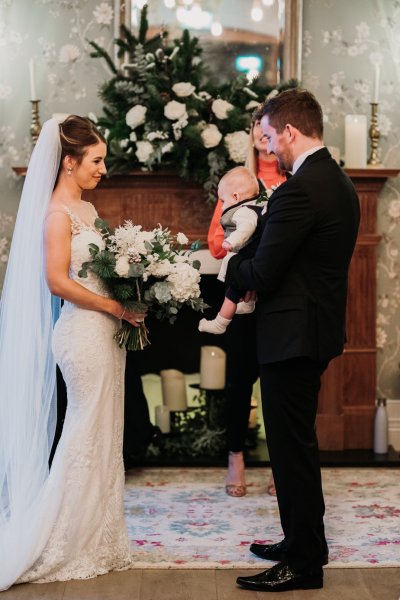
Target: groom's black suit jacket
[300,267]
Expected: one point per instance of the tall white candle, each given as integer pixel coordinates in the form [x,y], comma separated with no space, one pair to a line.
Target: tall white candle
[173,386]
[375,94]
[163,420]
[32,79]
[212,368]
[355,141]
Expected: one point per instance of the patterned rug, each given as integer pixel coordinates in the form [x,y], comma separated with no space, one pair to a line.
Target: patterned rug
[182,518]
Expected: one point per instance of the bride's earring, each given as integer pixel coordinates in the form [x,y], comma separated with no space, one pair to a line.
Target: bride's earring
[69,171]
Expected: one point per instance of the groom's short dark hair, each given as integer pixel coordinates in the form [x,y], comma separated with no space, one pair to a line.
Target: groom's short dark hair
[297,107]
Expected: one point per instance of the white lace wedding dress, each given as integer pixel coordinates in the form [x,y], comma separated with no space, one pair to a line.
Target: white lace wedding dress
[83,532]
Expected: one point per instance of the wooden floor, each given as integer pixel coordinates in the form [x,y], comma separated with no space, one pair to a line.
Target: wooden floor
[196,584]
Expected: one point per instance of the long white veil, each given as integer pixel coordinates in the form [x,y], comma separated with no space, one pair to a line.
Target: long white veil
[27,366]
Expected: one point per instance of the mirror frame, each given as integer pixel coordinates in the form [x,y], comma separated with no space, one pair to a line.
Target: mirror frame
[292,39]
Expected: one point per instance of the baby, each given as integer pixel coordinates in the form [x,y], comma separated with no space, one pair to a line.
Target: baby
[242,208]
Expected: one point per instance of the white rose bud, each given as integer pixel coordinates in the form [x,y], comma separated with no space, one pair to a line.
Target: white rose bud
[252,104]
[182,239]
[221,108]
[182,89]
[144,149]
[211,136]
[175,110]
[136,116]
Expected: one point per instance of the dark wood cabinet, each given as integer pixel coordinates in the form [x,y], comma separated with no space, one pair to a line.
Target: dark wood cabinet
[347,398]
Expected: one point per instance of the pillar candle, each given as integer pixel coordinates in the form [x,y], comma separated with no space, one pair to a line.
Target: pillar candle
[375,94]
[355,141]
[173,385]
[163,418]
[32,79]
[212,368]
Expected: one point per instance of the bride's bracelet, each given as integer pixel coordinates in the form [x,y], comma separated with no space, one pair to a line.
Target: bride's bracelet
[123,312]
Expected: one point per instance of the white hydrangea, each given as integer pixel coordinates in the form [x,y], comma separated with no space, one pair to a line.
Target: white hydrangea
[160,290]
[69,53]
[211,136]
[183,89]
[175,110]
[159,268]
[103,14]
[122,266]
[237,143]
[144,150]
[221,108]
[184,282]
[136,116]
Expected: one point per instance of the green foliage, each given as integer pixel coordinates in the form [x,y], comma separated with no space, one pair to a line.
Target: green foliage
[159,74]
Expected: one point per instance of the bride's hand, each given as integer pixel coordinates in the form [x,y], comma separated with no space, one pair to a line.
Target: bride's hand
[134,318]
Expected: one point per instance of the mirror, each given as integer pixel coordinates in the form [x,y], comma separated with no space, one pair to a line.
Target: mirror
[256,37]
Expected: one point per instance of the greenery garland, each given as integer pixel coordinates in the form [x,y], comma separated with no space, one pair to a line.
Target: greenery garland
[164,109]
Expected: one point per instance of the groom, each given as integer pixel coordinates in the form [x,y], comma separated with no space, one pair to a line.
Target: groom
[299,273]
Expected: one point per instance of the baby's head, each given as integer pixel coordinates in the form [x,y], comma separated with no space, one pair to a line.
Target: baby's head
[236,185]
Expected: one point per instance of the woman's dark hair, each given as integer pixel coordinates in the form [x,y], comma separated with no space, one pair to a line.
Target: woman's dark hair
[298,107]
[76,134]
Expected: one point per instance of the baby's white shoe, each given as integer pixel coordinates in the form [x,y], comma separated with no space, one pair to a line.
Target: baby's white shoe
[243,308]
[216,326]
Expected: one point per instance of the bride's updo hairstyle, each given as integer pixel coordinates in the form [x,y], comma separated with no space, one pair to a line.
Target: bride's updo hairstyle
[76,134]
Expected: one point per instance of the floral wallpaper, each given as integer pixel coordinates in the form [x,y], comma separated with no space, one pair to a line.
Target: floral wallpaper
[342,42]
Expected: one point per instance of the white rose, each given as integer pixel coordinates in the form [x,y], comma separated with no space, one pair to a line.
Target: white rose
[211,136]
[221,108]
[122,266]
[182,89]
[144,149]
[237,144]
[133,136]
[175,110]
[136,116]
[182,239]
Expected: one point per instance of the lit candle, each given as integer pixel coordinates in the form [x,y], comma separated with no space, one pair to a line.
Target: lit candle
[355,141]
[212,368]
[375,95]
[173,386]
[32,79]
[163,418]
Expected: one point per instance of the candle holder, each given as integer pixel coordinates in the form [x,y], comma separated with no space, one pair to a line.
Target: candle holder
[374,135]
[35,121]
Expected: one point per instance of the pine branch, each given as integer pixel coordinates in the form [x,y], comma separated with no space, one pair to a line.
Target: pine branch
[101,53]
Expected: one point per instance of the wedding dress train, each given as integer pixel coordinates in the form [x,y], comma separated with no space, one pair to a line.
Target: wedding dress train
[79,517]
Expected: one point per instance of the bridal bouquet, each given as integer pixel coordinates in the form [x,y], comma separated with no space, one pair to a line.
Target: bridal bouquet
[145,271]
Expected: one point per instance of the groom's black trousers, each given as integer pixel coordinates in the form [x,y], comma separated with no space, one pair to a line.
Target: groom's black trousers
[290,396]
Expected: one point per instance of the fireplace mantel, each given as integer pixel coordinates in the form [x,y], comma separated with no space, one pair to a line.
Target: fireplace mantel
[347,399]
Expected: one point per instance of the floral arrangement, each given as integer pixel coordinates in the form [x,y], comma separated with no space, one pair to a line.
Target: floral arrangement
[145,271]
[162,108]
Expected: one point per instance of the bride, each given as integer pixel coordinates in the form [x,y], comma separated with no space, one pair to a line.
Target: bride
[66,523]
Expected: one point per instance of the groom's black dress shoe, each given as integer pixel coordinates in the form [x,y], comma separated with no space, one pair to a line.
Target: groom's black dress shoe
[281,578]
[276,552]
